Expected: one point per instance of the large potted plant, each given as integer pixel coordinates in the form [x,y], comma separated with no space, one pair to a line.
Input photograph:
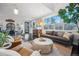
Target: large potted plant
[70,14]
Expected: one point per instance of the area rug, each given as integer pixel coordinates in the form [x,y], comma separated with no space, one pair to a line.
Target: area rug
[55,51]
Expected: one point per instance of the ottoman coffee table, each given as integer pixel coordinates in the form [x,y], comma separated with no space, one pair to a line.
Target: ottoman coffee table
[45,45]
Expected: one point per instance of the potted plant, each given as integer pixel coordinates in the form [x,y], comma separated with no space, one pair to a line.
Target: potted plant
[2,38]
[70,14]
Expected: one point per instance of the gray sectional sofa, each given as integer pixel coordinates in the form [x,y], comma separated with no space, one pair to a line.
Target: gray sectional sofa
[58,37]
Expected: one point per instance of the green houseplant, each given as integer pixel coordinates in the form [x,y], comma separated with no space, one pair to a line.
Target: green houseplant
[70,14]
[2,38]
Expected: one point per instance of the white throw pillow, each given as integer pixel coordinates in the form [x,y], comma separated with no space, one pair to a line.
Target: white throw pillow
[36,53]
[67,35]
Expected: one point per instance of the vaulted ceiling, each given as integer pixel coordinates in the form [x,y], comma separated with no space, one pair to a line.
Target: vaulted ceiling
[27,10]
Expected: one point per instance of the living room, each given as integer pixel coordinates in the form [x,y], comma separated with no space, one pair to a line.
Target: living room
[39,29]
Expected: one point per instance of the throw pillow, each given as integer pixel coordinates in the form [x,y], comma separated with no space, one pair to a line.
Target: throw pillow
[36,53]
[67,35]
[25,51]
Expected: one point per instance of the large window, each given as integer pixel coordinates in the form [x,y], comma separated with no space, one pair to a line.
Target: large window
[49,27]
[56,23]
[70,26]
[58,26]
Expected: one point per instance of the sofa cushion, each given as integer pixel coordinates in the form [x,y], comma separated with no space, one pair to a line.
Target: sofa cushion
[67,35]
[60,34]
[49,32]
[55,37]
[54,33]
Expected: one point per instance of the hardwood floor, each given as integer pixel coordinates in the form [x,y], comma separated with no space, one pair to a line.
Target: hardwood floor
[64,50]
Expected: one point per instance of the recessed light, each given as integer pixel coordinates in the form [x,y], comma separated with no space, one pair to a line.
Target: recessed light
[15,11]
